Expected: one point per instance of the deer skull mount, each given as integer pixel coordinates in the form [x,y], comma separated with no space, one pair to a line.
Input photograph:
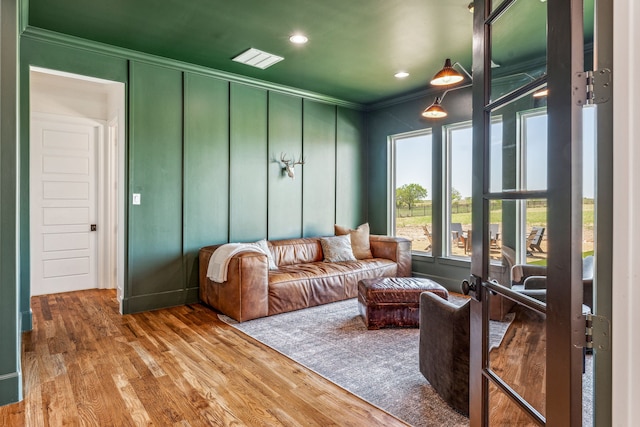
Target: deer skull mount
[289,165]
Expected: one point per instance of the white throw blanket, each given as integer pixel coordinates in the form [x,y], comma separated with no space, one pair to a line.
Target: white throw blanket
[219,261]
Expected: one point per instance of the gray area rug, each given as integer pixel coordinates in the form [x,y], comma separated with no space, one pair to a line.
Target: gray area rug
[380,366]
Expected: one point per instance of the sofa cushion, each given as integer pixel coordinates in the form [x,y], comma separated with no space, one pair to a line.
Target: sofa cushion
[359,239]
[307,285]
[337,248]
[296,251]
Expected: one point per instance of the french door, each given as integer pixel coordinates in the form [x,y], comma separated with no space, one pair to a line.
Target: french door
[536,376]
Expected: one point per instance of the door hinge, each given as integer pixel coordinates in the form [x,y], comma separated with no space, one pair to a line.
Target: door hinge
[597,332]
[597,86]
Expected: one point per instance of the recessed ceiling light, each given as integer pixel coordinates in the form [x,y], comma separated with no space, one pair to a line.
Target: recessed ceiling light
[401,74]
[298,39]
[257,58]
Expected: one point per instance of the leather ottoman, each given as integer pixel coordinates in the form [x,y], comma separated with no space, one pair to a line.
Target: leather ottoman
[394,301]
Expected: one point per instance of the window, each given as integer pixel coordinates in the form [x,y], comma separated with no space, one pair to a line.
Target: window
[411,195]
[533,177]
[458,186]
[458,166]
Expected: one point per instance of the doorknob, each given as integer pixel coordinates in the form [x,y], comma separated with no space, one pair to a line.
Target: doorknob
[466,287]
[94,227]
[472,287]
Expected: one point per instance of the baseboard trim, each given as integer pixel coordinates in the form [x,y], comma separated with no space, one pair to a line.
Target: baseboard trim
[192,295]
[10,388]
[26,320]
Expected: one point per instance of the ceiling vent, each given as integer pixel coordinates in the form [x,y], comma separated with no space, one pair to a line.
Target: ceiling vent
[257,58]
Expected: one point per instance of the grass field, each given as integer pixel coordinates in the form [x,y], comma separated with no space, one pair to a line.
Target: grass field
[535,216]
[412,228]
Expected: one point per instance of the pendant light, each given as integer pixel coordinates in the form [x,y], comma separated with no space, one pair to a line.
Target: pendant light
[435,110]
[447,76]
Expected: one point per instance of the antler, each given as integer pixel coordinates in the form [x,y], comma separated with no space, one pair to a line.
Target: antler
[289,165]
[284,160]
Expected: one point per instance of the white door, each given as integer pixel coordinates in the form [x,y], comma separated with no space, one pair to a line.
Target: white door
[63,204]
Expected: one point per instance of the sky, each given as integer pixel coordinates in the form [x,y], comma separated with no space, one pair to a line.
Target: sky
[414,155]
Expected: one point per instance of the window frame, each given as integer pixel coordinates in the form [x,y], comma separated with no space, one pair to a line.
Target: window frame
[447,248]
[392,142]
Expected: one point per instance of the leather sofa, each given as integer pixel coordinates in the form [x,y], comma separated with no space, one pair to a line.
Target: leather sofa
[302,278]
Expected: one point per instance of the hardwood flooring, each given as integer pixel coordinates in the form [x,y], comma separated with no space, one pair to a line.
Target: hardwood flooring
[85,364]
[520,361]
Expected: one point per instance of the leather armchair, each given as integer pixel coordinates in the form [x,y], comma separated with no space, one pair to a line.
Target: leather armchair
[444,349]
[531,280]
[499,306]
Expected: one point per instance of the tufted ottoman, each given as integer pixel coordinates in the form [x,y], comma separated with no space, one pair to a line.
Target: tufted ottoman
[394,301]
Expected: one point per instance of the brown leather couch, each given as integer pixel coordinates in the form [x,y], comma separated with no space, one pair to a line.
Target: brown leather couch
[302,279]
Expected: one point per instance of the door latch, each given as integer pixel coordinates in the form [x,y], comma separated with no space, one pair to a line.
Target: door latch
[94,227]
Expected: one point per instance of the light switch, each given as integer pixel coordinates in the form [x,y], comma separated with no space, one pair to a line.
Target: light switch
[136,198]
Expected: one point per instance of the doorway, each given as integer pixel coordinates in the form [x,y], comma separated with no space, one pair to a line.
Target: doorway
[76,182]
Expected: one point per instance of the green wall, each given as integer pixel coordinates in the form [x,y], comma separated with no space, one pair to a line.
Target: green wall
[285,139]
[10,372]
[206,168]
[203,152]
[155,172]
[319,185]
[248,163]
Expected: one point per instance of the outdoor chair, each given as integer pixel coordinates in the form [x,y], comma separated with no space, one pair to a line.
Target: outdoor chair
[534,239]
[494,235]
[427,233]
[456,234]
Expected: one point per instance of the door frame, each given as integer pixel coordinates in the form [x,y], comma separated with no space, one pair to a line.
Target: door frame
[111,183]
[564,320]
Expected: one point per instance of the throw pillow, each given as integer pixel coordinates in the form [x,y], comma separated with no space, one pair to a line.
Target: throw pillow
[337,248]
[359,240]
[262,244]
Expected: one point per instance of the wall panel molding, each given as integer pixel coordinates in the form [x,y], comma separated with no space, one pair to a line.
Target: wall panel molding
[285,194]
[319,184]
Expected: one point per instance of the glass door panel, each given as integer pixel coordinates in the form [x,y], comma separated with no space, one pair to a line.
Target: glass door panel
[517,355]
[504,412]
[518,46]
[495,4]
[534,149]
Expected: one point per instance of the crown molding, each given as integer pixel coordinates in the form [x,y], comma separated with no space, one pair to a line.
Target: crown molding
[60,39]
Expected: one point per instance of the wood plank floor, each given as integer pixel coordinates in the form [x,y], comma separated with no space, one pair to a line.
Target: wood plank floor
[85,364]
[520,362]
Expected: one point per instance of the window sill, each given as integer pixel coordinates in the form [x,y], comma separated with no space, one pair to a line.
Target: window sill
[426,257]
[455,261]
